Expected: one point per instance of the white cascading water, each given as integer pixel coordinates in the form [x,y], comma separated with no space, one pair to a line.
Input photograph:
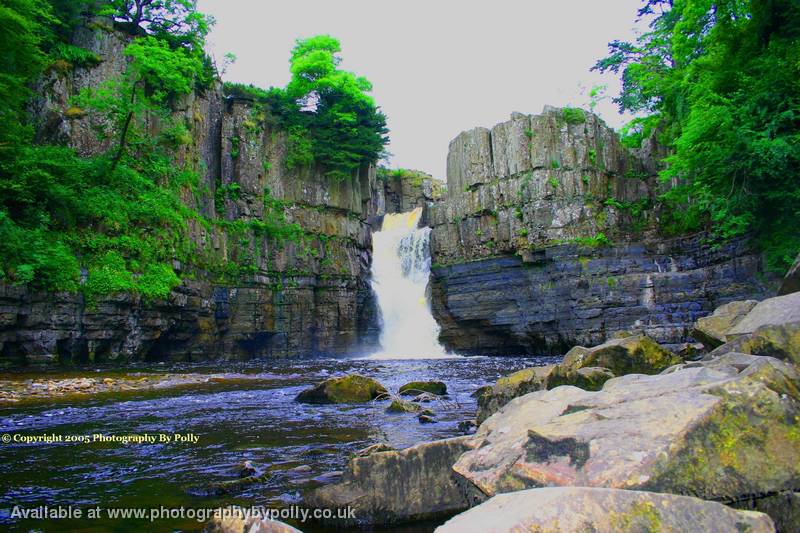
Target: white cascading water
[401,266]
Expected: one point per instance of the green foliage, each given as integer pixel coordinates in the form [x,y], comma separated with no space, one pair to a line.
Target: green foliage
[722,78]
[596,241]
[554,164]
[331,118]
[573,115]
[637,130]
[553,182]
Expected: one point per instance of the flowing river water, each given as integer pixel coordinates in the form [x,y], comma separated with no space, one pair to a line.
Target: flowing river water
[250,417]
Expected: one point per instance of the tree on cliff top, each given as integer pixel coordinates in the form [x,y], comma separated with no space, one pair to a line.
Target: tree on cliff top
[722,77]
[175,21]
[331,118]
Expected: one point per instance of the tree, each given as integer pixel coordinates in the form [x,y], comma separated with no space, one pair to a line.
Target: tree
[176,21]
[722,78]
[329,113]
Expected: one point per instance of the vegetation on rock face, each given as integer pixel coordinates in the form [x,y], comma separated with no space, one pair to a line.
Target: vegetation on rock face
[720,80]
[118,221]
[328,113]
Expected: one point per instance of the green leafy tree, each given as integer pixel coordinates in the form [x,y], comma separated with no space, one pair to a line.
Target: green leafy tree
[722,79]
[175,21]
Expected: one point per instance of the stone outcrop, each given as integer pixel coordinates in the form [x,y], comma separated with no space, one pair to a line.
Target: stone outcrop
[398,486]
[722,430]
[581,509]
[402,190]
[239,524]
[547,239]
[297,297]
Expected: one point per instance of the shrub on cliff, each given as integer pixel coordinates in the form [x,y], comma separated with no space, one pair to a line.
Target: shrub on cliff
[720,77]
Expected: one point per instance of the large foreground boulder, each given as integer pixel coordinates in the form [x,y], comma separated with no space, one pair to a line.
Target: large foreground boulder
[711,330]
[791,283]
[780,341]
[770,312]
[724,430]
[352,388]
[582,509]
[398,486]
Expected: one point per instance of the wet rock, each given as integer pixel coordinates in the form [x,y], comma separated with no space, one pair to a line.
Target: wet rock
[510,387]
[237,524]
[352,388]
[232,486]
[582,509]
[398,486]
[417,387]
[374,448]
[426,419]
[711,330]
[721,430]
[783,508]
[791,282]
[635,354]
[246,469]
[402,406]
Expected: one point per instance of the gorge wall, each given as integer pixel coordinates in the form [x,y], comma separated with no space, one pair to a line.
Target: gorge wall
[548,238]
[274,298]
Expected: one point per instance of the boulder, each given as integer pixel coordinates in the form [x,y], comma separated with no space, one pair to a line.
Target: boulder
[587,378]
[791,283]
[724,430]
[352,388]
[628,355]
[374,448]
[770,312]
[780,341]
[582,509]
[416,387]
[398,486]
[711,330]
[509,387]
[238,524]
[783,508]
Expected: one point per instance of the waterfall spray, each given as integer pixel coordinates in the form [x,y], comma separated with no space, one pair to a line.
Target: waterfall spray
[401,267]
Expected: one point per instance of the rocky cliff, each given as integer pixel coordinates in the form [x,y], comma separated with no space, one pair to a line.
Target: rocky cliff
[548,238]
[266,297]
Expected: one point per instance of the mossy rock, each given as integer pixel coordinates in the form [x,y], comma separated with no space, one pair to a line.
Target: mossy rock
[402,406]
[352,388]
[587,378]
[509,387]
[416,387]
[637,354]
[711,330]
[781,342]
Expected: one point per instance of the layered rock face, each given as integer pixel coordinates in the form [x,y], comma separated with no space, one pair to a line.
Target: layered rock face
[547,240]
[297,297]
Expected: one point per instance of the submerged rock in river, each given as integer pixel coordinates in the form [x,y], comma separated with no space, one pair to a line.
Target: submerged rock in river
[582,509]
[352,388]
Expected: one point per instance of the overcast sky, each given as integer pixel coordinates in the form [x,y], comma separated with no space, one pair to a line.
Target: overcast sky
[438,67]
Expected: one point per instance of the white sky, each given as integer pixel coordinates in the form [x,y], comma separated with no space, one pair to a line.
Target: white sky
[438,67]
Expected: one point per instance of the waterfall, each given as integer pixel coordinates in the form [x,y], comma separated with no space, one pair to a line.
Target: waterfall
[401,266]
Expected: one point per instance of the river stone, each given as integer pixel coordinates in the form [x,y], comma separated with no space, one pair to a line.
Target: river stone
[509,387]
[237,524]
[634,354]
[402,406]
[791,283]
[711,330]
[398,486]
[770,312]
[582,509]
[780,341]
[374,448]
[352,388]
[416,387]
[715,432]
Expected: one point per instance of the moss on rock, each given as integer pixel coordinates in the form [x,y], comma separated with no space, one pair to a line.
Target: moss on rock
[352,388]
[416,387]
